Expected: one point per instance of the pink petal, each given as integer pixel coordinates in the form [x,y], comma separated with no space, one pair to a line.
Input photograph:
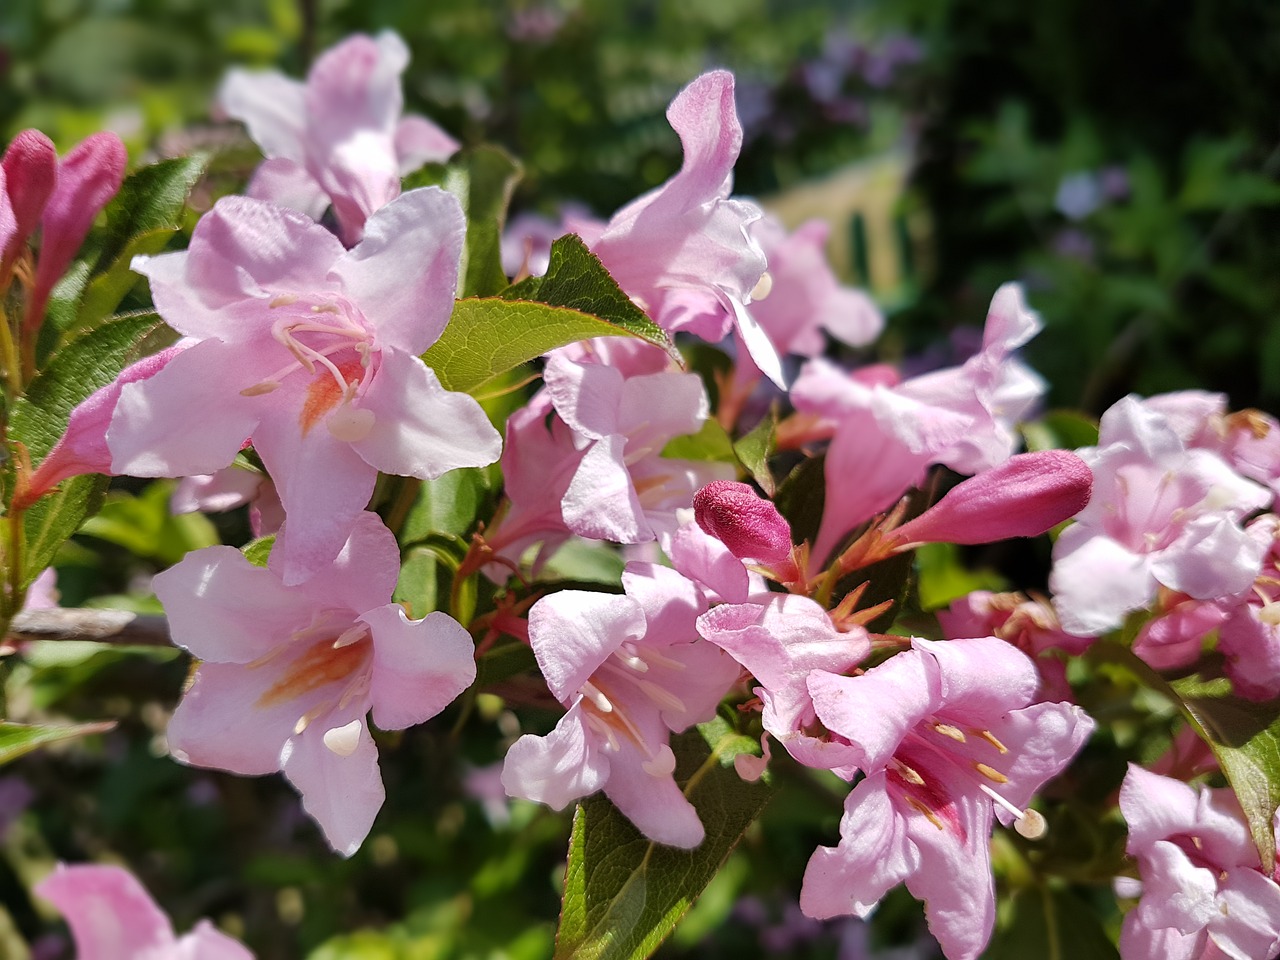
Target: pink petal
[1213,558]
[404,273]
[323,484]
[217,492]
[420,141]
[206,942]
[877,709]
[573,631]
[588,396]
[670,601]
[419,666]
[874,856]
[30,173]
[706,560]
[364,573]
[559,768]
[110,914]
[419,428]
[272,107]
[224,609]
[152,433]
[984,676]
[1248,924]
[223,722]
[654,804]
[601,502]
[341,791]
[242,253]
[1096,581]
[286,183]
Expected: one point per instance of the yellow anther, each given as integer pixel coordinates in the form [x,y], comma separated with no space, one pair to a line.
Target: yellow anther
[995,776]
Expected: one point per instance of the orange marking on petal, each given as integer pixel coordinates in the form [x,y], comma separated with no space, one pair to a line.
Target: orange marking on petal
[319,666]
[324,393]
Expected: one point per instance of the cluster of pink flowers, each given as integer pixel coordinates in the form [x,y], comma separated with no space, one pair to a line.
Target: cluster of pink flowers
[305,344]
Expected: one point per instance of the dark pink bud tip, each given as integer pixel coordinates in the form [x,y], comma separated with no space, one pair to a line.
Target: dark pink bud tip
[1022,497]
[746,523]
[30,170]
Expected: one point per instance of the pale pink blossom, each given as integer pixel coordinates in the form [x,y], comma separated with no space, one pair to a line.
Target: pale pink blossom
[885,431]
[684,250]
[780,639]
[1161,515]
[340,137]
[1203,890]
[621,488]
[949,734]
[227,489]
[113,918]
[290,674]
[312,351]
[801,298]
[631,670]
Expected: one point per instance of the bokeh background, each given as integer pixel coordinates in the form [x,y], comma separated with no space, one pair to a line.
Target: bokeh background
[1120,159]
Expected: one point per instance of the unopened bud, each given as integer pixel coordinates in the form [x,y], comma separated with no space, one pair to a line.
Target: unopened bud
[30,172]
[747,524]
[1022,497]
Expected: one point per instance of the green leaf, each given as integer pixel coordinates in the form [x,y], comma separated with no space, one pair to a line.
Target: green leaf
[710,443]
[575,300]
[51,521]
[448,504]
[755,449]
[150,199]
[19,738]
[482,179]
[1060,430]
[623,893]
[107,289]
[488,337]
[1052,925]
[800,500]
[258,552]
[1245,737]
[146,527]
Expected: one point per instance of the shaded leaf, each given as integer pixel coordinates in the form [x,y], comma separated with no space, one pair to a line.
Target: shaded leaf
[624,894]
[150,199]
[482,179]
[710,443]
[1245,737]
[800,499]
[1053,925]
[1060,430]
[19,738]
[755,449]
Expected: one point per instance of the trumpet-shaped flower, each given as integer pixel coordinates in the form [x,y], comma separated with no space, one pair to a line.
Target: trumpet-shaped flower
[311,350]
[1161,514]
[113,918]
[1203,891]
[631,670]
[684,251]
[949,734]
[338,138]
[887,431]
[290,674]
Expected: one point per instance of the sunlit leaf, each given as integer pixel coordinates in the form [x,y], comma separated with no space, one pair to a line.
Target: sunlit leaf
[19,738]
[623,893]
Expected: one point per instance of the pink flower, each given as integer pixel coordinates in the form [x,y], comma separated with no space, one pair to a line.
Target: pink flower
[887,432]
[311,350]
[631,670]
[804,298]
[340,137]
[290,673]
[622,489]
[1161,514]
[949,734]
[780,640]
[683,251]
[1203,891]
[113,918]
[28,174]
[227,489]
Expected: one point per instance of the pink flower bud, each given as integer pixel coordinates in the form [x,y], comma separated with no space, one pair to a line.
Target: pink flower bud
[747,524]
[88,177]
[83,448]
[30,172]
[1022,497]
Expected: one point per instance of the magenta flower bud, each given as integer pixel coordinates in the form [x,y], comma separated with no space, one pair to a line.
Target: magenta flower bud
[30,172]
[747,524]
[88,177]
[1022,497]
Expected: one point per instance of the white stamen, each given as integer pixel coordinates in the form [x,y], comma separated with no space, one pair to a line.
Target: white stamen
[763,288]
[596,697]
[663,698]
[258,389]
[634,662]
[343,740]
[353,634]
